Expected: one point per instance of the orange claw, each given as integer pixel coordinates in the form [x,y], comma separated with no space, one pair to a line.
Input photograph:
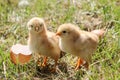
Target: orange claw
[44,61]
[79,62]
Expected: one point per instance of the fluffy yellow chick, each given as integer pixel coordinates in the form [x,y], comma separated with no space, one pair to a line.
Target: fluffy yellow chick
[78,42]
[42,41]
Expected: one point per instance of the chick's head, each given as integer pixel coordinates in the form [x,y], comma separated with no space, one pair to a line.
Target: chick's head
[36,25]
[67,30]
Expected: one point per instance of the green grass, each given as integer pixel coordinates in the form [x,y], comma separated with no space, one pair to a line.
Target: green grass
[105,61]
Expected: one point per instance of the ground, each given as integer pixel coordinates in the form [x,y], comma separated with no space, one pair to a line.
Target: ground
[87,14]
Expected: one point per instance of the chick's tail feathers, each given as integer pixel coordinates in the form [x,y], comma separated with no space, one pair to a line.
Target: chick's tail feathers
[100,33]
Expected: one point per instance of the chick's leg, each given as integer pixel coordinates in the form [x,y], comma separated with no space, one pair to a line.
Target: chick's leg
[56,63]
[79,62]
[44,61]
[54,68]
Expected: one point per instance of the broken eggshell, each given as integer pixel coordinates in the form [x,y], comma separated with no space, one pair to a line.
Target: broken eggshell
[20,54]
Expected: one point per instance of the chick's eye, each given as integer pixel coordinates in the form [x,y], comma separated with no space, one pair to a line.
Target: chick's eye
[41,25]
[31,26]
[63,31]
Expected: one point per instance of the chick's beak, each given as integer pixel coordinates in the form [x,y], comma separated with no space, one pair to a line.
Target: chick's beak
[37,29]
[58,34]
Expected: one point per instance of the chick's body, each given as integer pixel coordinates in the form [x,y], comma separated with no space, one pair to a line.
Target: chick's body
[45,45]
[77,42]
[42,41]
[81,45]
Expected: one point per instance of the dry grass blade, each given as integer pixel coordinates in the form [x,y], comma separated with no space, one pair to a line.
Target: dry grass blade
[4,68]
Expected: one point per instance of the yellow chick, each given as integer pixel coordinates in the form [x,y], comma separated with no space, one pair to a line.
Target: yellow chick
[78,42]
[42,41]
